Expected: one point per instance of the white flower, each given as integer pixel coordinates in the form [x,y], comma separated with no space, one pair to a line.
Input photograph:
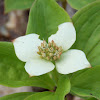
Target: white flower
[42,57]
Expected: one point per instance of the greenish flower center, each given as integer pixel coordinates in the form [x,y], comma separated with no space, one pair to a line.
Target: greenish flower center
[50,51]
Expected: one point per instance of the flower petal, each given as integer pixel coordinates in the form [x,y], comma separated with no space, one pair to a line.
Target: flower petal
[71,61]
[65,36]
[38,67]
[26,47]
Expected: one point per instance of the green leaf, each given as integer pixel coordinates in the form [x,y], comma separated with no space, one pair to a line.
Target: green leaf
[17,96]
[77,4]
[13,74]
[91,99]
[42,96]
[87,83]
[44,18]
[87,24]
[17,5]
[63,88]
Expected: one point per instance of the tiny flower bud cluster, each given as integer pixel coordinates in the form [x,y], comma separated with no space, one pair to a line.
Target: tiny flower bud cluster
[50,51]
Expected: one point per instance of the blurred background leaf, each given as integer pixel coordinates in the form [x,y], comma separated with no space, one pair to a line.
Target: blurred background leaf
[11,5]
[17,96]
[17,5]
[77,4]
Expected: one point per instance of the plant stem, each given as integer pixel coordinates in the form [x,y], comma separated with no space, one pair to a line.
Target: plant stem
[55,76]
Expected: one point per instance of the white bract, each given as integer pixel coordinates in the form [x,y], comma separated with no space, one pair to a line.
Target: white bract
[42,57]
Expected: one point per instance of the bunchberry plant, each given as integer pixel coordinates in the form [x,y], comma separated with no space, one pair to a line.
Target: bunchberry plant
[58,53]
[42,57]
